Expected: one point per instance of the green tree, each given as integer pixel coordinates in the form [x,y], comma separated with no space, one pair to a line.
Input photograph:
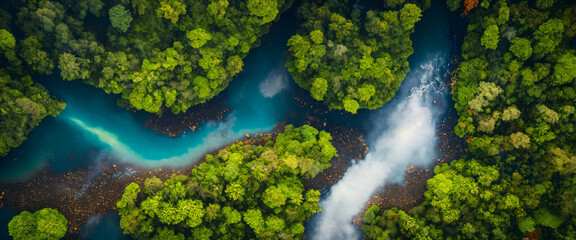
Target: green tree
[565,69]
[491,37]
[69,67]
[526,224]
[245,191]
[543,4]
[198,37]
[548,36]
[46,223]
[521,48]
[317,36]
[253,217]
[409,15]
[266,9]
[7,41]
[319,88]
[171,10]
[120,17]
[370,214]
[218,8]
[393,3]
[347,69]
[129,196]
[544,217]
[350,105]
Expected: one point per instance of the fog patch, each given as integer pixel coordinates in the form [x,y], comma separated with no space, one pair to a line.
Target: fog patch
[275,82]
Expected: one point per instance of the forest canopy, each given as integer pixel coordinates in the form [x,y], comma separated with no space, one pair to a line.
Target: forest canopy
[44,224]
[23,103]
[243,192]
[156,54]
[348,59]
[515,95]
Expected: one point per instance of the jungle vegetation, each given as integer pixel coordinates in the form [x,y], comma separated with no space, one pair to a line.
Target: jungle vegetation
[515,96]
[23,102]
[243,192]
[350,59]
[156,55]
[44,224]
[514,92]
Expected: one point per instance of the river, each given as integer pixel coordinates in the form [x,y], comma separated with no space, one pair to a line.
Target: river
[403,132]
[93,128]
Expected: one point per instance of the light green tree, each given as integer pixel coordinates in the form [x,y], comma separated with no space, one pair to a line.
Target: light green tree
[120,18]
[171,10]
[565,69]
[198,37]
[7,41]
[266,9]
[490,37]
[548,36]
[350,105]
[319,88]
[45,224]
[409,15]
[521,48]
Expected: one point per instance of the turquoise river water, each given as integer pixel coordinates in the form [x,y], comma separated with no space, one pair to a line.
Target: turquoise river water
[93,127]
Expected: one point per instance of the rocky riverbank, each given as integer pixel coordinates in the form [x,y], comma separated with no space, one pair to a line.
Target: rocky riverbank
[91,191]
[189,121]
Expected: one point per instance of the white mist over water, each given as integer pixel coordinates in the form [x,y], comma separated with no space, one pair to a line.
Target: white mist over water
[276,81]
[409,138]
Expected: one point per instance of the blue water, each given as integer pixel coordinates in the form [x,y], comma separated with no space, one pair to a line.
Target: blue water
[100,227]
[93,127]
[402,133]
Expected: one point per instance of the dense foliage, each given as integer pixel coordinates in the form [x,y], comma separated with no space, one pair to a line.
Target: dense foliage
[23,103]
[168,54]
[515,95]
[350,59]
[44,224]
[243,192]
[157,54]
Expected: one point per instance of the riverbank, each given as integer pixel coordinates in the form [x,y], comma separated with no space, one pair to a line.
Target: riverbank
[86,192]
[410,193]
[78,194]
[175,124]
[83,193]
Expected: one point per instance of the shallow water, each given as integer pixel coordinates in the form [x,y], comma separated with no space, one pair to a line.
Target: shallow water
[93,128]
